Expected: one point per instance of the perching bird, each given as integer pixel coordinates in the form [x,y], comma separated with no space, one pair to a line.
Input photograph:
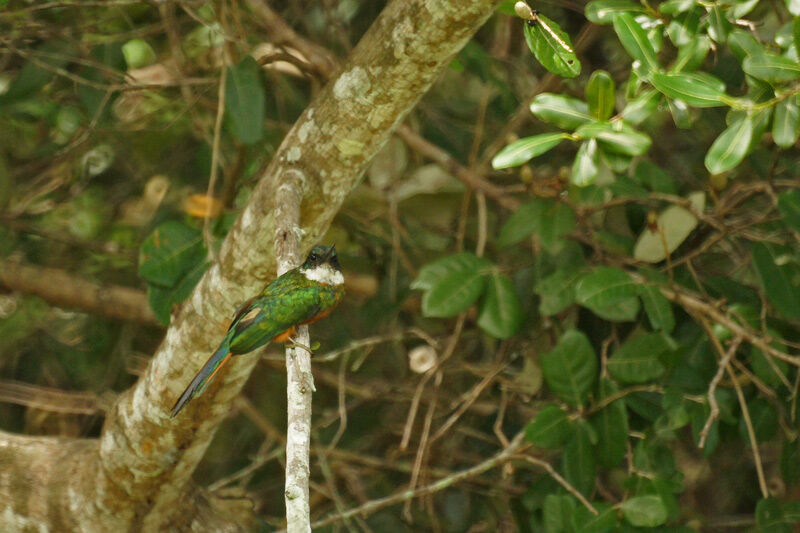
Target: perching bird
[300,296]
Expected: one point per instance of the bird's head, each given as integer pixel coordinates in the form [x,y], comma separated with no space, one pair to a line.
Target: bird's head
[322,265]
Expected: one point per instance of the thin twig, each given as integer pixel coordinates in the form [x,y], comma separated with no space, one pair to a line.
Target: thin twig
[712,399]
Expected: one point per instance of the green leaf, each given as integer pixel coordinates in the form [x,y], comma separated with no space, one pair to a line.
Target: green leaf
[501,313]
[171,251]
[674,224]
[562,111]
[452,284]
[718,25]
[743,44]
[778,280]
[641,107]
[604,287]
[138,53]
[654,177]
[432,273]
[771,518]
[786,123]
[601,95]
[551,46]
[771,68]
[524,150]
[796,32]
[635,41]
[624,140]
[578,461]
[245,100]
[163,299]
[559,513]
[731,147]
[33,76]
[790,461]
[694,89]
[644,511]
[636,361]
[611,424]
[585,167]
[768,369]
[692,54]
[550,428]
[570,369]
[548,219]
[789,207]
[604,11]
[793,6]
[557,291]
[657,307]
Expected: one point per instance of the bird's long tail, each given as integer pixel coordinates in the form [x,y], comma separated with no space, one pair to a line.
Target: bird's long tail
[203,377]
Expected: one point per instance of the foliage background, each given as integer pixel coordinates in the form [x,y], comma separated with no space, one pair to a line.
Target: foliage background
[546,313]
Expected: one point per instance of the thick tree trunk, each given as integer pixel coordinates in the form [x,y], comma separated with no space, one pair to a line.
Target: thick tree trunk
[138,476]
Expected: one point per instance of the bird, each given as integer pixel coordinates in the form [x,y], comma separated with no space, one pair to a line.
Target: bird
[301,295]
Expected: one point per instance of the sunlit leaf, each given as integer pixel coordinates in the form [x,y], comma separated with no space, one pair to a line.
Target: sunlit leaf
[641,107]
[585,167]
[635,41]
[552,46]
[771,68]
[644,511]
[731,147]
[674,224]
[692,88]
[601,95]
[562,111]
[524,150]
[604,11]
[718,25]
[786,122]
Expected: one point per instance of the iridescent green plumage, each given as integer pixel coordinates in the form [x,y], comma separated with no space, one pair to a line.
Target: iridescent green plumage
[301,296]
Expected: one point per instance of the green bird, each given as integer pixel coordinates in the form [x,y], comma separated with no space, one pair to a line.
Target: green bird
[300,296]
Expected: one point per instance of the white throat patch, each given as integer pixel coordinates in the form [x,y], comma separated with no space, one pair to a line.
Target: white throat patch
[324,274]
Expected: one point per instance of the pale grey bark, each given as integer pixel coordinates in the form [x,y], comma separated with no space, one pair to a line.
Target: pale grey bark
[299,379]
[137,476]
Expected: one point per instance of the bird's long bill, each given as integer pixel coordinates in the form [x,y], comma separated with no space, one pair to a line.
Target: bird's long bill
[203,377]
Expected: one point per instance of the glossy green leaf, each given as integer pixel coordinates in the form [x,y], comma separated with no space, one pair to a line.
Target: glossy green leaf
[562,111]
[771,68]
[578,461]
[636,360]
[692,54]
[550,428]
[786,123]
[675,7]
[611,424]
[673,225]
[548,219]
[743,44]
[731,147]
[635,41]
[552,47]
[657,307]
[501,313]
[644,511]
[771,518]
[570,369]
[171,251]
[585,167]
[604,11]
[524,150]
[432,273]
[556,221]
[163,299]
[521,224]
[779,281]
[680,113]
[245,97]
[601,95]
[604,286]
[789,207]
[718,25]
[796,32]
[452,284]
[641,107]
[557,291]
[691,88]
[138,53]
[624,140]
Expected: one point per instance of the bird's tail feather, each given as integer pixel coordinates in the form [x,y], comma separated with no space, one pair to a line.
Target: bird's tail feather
[203,377]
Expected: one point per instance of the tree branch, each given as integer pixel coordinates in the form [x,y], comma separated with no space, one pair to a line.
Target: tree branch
[65,290]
